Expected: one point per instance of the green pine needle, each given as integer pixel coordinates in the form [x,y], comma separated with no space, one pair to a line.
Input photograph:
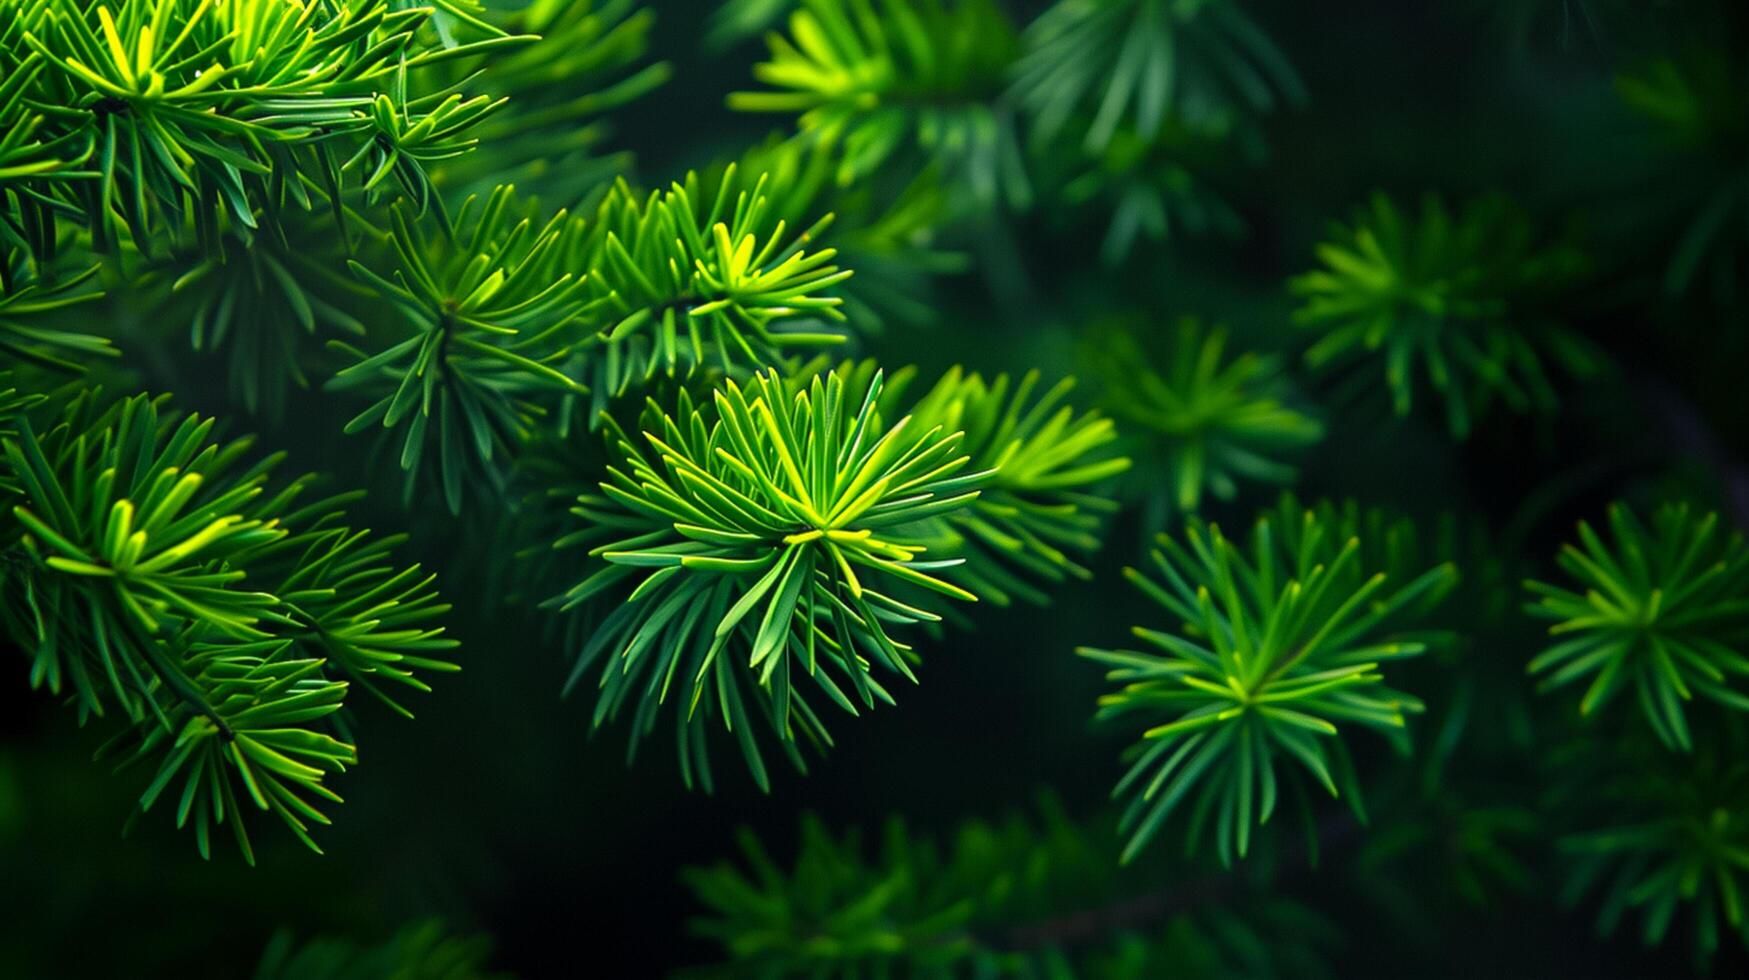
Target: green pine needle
[882,78]
[149,568]
[704,274]
[1275,645]
[175,112]
[1447,301]
[1662,611]
[1205,424]
[29,306]
[1043,507]
[549,137]
[1148,63]
[1657,836]
[487,319]
[1025,896]
[763,556]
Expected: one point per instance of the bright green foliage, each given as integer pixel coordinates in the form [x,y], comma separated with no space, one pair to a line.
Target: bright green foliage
[421,951]
[506,327]
[342,598]
[887,235]
[1389,544]
[1451,298]
[1664,611]
[763,550]
[136,560]
[25,302]
[250,728]
[178,111]
[1015,898]
[556,89]
[1669,836]
[1206,422]
[27,151]
[486,318]
[621,379]
[149,568]
[1040,508]
[1147,62]
[699,275]
[261,294]
[1275,643]
[878,78]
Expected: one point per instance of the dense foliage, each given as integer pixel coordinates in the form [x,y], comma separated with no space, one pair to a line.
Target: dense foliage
[830,383]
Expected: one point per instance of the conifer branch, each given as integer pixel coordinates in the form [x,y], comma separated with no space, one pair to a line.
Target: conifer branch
[151,569]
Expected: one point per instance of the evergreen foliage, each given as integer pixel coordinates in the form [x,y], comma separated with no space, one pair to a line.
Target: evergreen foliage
[1175,60]
[264,302]
[25,339]
[739,364]
[192,115]
[877,79]
[1444,297]
[1665,611]
[1210,420]
[1006,898]
[887,235]
[701,274]
[1275,642]
[1039,509]
[550,136]
[487,314]
[1667,835]
[152,569]
[766,552]
[1169,185]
